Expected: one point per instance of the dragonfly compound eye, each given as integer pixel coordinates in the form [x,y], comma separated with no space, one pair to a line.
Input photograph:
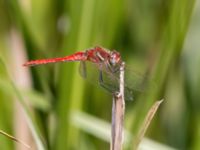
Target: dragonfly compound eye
[115,58]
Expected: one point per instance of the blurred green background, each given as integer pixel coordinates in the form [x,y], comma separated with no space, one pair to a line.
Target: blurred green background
[52,107]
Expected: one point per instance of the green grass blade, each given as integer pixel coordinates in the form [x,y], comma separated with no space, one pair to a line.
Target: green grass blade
[29,116]
[173,35]
[101,129]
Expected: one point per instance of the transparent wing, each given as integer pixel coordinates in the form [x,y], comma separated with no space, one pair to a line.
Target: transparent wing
[100,74]
[83,69]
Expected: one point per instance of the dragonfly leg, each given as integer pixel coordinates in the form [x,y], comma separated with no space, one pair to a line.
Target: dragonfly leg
[103,84]
[100,77]
[113,69]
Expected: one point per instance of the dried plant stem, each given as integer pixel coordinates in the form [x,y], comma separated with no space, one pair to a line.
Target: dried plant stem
[14,139]
[118,109]
[146,123]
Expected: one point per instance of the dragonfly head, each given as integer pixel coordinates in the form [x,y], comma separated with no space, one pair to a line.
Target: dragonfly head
[115,58]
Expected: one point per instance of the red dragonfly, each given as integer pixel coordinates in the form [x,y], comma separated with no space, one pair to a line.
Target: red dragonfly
[107,62]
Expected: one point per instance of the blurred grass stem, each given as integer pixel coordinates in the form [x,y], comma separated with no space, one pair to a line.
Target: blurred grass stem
[14,139]
[146,124]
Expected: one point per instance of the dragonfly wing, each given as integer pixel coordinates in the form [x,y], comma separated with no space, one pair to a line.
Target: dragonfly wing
[137,81]
[83,69]
[96,74]
[100,74]
[89,71]
[111,84]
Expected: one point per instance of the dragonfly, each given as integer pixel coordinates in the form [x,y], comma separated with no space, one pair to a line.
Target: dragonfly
[108,64]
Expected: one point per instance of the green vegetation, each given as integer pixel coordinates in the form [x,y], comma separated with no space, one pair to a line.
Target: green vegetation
[63,111]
